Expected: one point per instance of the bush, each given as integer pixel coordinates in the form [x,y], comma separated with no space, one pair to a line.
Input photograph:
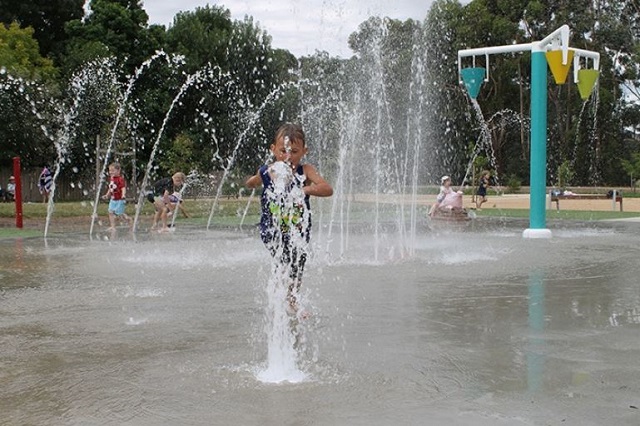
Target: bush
[514,183]
[565,175]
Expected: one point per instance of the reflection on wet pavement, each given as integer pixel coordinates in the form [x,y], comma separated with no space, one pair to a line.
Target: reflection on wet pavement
[478,327]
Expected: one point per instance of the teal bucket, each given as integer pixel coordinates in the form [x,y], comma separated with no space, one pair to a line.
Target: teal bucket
[473,78]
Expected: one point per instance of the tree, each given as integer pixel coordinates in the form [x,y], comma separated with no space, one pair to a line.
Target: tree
[48,19]
[202,36]
[632,167]
[233,98]
[20,55]
[26,89]
[180,156]
[116,28]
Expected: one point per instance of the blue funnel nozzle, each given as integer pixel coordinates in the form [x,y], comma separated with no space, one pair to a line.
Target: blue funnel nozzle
[473,78]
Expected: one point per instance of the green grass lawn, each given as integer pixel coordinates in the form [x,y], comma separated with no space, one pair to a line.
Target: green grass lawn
[13,233]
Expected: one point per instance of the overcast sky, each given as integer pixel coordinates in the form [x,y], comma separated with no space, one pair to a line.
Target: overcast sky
[300,26]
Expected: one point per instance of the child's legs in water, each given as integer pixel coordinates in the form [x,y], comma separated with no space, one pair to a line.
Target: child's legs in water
[112,220]
[297,259]
[292,259]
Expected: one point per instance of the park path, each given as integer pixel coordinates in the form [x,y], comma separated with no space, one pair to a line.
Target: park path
[511,201]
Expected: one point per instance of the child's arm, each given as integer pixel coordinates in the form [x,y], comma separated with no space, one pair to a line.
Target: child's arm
[254,181]
[439,199]
[108,194]
[123,190]
[319,187]
[165,196]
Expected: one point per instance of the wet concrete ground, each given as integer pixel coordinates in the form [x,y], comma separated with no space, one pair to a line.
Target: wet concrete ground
[476,327]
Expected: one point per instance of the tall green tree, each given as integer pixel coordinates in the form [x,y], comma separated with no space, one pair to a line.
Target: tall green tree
[116,28]
[26,87]
[202,36]
[48,19]
[20,56]
[237,71]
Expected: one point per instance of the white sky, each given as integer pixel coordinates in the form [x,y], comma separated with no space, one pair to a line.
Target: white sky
[300,26]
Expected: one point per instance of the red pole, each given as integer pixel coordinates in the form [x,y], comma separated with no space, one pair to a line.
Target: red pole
[18,196]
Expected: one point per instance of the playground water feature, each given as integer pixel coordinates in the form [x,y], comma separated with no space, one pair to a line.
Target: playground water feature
[393,311]
[477,327]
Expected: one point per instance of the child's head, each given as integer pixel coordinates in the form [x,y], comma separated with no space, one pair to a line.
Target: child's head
[289,144]
[178,178]
[445,181]
[114,169]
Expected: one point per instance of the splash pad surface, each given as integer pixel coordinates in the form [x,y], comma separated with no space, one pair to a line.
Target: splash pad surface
[478,327]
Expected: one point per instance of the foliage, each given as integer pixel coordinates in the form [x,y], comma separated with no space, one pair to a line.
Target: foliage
[239,94]
[221,89]
[632,167]
[26,111]
[514,183]
[565,175]
[48,19]
[20,55]
[117,26]
[180,157]
[202,36]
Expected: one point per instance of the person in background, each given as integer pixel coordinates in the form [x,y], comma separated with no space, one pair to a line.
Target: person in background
[176,201]
[161,198]
[116,194]
[447,198]
[45,181]
[483,185]
[10,194]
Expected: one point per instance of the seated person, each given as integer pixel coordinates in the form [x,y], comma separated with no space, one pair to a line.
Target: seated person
[448,199]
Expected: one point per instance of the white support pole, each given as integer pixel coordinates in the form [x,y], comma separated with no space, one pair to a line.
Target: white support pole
[561,35]
[580,53]
[486,51]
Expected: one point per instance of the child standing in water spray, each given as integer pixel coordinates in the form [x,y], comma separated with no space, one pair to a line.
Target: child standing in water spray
[285,222]
[45,182]
[116,194]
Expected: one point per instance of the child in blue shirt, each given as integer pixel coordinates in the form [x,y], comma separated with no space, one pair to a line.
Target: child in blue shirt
[285,222]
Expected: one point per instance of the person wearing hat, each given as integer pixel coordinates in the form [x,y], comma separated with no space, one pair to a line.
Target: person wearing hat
[447,198]
[11,189]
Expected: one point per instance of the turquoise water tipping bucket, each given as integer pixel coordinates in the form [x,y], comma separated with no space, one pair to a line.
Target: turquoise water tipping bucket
[473,78]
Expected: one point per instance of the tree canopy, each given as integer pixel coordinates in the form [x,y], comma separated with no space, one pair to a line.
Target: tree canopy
[209,90]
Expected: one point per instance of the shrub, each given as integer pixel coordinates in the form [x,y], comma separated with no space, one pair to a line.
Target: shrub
[514,183]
